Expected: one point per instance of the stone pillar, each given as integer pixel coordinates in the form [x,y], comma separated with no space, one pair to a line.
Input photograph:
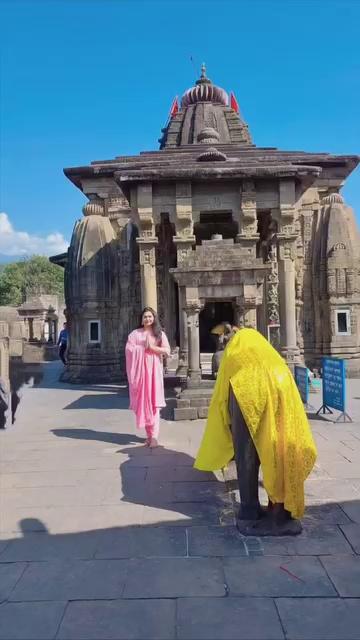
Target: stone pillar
[287,238]
[194,371]
[239,319]
[245,308]
[148,272]
[147,242]
[183,330]
[250,316]
[289,347]
[184,241]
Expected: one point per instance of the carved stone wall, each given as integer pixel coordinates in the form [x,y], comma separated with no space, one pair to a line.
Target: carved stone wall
[335,284]
[166,287]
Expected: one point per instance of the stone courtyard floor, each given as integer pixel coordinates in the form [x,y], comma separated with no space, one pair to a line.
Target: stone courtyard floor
[102,539]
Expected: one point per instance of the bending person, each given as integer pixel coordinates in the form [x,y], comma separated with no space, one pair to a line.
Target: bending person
[145,349]
[257,414]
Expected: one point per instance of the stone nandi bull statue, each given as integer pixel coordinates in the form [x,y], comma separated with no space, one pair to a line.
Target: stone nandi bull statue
[257,417]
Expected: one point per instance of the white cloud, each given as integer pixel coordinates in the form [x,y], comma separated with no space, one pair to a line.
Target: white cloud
[21,243]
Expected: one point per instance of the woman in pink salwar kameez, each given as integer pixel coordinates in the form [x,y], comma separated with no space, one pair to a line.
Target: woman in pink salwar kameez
[145,350]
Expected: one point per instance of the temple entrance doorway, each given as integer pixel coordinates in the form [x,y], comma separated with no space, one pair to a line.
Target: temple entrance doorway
[214,312]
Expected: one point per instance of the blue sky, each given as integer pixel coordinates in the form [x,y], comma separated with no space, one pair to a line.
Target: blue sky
[89,79]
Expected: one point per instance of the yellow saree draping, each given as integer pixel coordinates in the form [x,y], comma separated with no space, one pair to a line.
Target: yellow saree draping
[273,411]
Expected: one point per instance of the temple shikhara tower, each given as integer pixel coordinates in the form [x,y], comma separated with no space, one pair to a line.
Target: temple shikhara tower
[212,228]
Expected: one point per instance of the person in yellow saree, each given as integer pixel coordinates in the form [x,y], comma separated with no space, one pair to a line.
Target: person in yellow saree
[254,376]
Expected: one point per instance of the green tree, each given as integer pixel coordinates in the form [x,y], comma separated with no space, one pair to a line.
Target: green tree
[34,276]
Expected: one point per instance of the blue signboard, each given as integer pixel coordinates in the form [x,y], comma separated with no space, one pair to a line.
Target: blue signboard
[334,384]
[302,382]
[334,388]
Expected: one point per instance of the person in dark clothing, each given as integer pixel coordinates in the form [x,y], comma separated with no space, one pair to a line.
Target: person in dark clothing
[4,403]
[62,343]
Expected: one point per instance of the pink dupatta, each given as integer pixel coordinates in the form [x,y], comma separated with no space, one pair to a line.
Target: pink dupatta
[145,375]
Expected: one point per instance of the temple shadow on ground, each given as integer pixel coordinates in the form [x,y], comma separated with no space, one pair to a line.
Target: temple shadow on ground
[37,543]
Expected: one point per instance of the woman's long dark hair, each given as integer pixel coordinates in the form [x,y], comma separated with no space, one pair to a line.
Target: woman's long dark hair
[156,326]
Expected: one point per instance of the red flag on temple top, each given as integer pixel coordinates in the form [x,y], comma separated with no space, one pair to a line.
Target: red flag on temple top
[174,108]
[234,103]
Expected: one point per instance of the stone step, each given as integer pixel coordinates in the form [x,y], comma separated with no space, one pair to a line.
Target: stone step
[205,362]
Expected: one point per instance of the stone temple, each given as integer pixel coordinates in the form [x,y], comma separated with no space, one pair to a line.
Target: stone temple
[212,228]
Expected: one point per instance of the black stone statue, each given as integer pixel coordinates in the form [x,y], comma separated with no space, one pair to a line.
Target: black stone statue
[253,519]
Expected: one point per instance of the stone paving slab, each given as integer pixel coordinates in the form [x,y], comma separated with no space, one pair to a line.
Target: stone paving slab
[141,492]
[199,492]
[352,534]
[74,463]
[344,572]
[228,619]
[157,461]
[175,578]
[331,490]
[352,509]
[10,574]
[215,541]
[40,546]
[119,620]
[314,541]
[278,576]
[181,514]
[181,474]
[71,519]
[53,496]
[70,478]
[30,620]
[3,544]
[320,618]
[115,478]
[72,580]
[318,514]
[346,470]
[141,542]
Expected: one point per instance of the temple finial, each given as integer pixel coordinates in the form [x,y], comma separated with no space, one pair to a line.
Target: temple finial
[203,77]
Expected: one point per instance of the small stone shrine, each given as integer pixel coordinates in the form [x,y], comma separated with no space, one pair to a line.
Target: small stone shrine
[212,228]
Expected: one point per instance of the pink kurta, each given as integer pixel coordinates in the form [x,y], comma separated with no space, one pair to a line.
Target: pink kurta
[145,375]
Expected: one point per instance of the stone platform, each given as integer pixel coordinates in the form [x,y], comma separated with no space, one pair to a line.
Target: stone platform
[192,404]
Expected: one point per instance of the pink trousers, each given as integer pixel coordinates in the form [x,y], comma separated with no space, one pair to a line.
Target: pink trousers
[152,430]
